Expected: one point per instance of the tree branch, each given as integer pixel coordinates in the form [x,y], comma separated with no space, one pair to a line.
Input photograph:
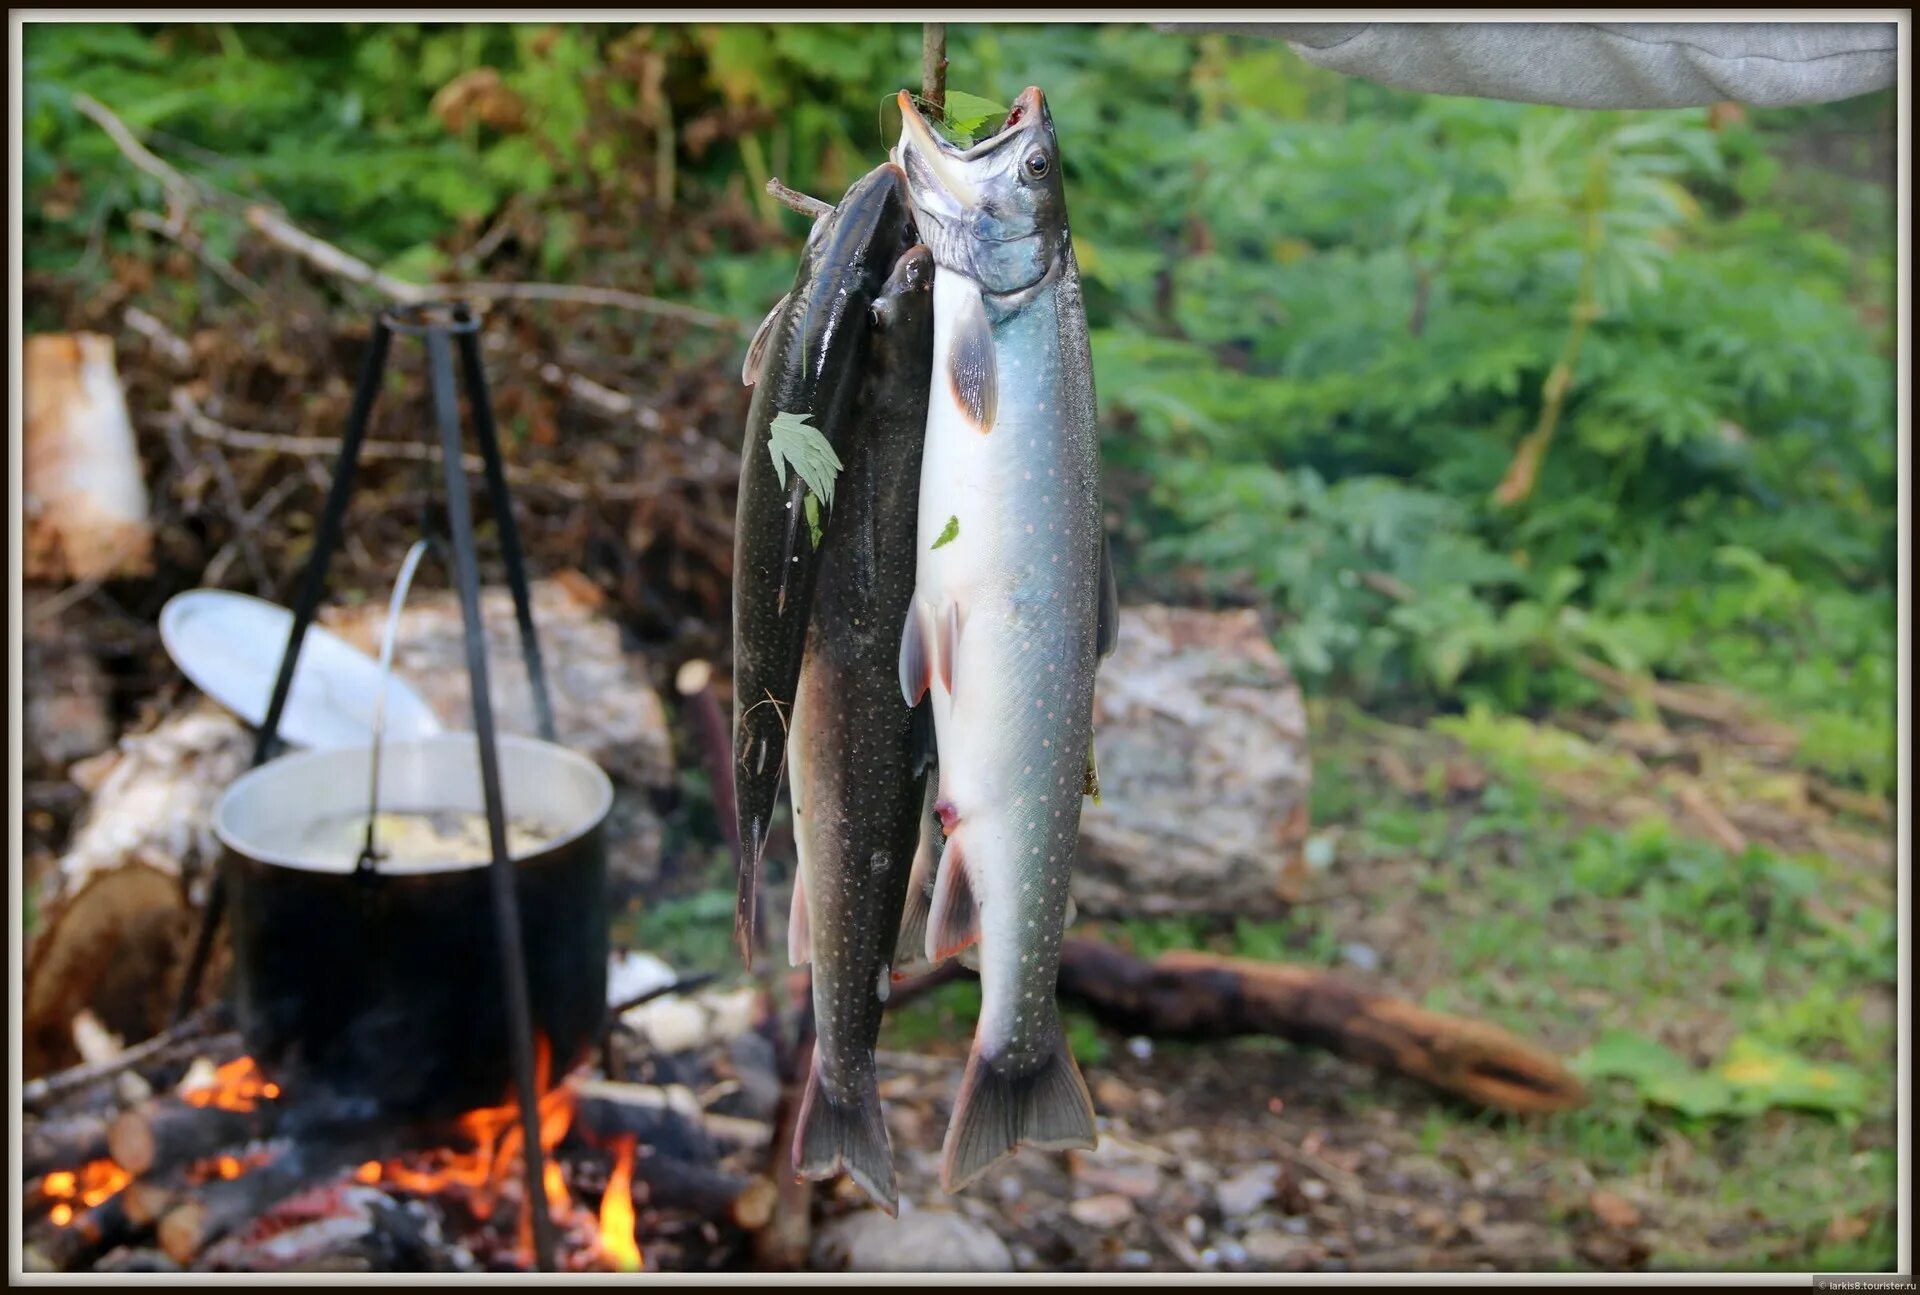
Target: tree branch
[933,66]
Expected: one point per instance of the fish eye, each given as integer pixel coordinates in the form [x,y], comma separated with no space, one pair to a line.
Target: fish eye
[1037,165]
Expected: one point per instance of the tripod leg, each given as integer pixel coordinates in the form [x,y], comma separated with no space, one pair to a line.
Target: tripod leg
[325,540]
[510,548]
[506,903]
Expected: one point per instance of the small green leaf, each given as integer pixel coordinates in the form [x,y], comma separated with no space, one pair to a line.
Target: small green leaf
[967,113]
[793,440]
[813,518]
[948,533]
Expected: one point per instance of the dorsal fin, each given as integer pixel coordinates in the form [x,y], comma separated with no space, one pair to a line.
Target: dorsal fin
[756,361]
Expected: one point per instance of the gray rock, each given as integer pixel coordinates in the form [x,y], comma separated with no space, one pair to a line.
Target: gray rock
[1107,1211]
[1201,735]
[1268,1248]
[1361,956]
[1246,1191]
[929,1241]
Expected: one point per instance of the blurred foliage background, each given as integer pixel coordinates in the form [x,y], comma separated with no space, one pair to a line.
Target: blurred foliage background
[1466,394]
[1517,424]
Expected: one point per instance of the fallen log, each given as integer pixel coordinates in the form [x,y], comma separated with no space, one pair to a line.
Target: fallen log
[1192,995]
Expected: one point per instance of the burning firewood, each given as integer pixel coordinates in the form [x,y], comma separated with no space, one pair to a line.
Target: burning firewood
[666,1120]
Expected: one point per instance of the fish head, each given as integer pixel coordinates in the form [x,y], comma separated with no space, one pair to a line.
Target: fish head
[908,294]
[995,212]
[851,252]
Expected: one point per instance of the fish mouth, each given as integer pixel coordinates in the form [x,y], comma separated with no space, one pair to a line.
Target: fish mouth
[946,163]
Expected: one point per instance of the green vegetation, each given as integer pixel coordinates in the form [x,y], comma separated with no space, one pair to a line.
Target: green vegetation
[1503,415]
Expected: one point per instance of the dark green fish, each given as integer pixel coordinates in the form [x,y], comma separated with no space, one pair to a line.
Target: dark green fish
[808,359]
[856,751]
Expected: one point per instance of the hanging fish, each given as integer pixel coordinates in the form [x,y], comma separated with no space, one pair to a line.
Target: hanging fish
[857,754]
[806,363]
[1007,626]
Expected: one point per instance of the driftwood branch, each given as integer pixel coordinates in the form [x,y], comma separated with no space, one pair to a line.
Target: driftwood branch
[1200,995]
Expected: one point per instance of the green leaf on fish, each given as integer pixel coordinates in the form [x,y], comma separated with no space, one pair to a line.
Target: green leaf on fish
[967,113]
[813,518]
[949,533]
[793,440]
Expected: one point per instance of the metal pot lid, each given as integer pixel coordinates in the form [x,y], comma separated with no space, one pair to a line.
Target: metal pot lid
[230,646]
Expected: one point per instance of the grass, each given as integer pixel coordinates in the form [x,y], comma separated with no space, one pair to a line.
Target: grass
[1559,895]
[1519,904]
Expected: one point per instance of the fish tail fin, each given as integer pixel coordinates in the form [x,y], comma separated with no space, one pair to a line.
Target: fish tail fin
[831,1134]
[1000,1109]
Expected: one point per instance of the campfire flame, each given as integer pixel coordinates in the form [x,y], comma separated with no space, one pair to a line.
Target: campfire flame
[616,1213]
[85,1188]
[478,1172]
[236,1086]
[495,1134]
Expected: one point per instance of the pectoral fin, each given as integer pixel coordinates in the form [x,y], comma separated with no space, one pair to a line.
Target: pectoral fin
[971,371]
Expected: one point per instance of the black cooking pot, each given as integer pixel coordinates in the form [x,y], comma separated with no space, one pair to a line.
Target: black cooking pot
[376,993]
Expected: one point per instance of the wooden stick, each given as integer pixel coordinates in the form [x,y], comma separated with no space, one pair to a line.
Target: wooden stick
[217,1208]
[168,1133]
[187,412]
[794,200]
[707,1192]
[1201,995]
[324,256]
[180,190]
[694,681]
[90,1233]
[783,1241]
[933,66]
[666,1120]
[47,1145]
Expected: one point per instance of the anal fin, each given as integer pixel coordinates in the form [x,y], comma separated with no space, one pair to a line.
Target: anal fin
[953,921]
